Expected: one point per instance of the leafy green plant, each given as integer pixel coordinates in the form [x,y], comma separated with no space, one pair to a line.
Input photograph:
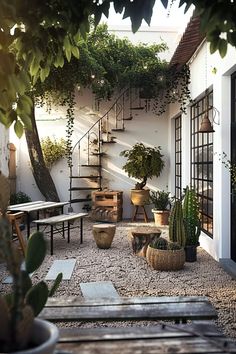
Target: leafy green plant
[160,243]
[143,162]
[160,200]
[19,307]
[53,150]
[19,197]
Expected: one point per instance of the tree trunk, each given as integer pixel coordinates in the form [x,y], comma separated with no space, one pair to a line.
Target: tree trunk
[41,173]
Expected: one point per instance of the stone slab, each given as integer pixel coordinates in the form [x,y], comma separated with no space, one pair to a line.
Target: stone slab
[64,266]
[98,289]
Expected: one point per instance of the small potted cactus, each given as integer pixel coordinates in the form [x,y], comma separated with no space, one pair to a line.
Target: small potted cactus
[165,255]
[162,204]
[20,330]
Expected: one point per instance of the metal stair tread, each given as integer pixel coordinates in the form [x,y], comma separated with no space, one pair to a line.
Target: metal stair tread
[91,165]
[83,188]
[137,108]
[118,129]
[90,177]
[108,142]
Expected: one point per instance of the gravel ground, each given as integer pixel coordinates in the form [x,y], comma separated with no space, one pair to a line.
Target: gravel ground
[131,275]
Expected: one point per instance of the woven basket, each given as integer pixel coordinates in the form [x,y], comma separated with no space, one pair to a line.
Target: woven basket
[165,259]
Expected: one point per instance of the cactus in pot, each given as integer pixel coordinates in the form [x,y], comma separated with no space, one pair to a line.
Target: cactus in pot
[19,307]
[191,216]
[177,232]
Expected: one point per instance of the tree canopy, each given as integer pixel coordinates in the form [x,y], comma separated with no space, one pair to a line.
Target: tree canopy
[36,36]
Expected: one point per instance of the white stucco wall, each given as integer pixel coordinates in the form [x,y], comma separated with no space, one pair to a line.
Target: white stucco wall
[211,71]
[145,127]
[4,151]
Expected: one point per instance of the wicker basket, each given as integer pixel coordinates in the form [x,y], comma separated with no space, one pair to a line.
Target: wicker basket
[165,259]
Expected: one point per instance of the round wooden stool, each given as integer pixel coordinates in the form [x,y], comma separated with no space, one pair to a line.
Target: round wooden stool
[104,234]
[141,237]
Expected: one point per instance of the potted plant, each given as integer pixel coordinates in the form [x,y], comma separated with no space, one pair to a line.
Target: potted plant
[161,210]
[192,223]
[143,162]
[20,330]
[164,255]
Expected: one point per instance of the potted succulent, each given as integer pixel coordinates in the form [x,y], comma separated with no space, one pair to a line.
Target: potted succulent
[192,223]
[164,255]
[143,162]
[20,330]
[162,204]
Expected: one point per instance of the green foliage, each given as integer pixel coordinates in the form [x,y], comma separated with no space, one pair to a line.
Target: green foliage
[173,246]
[231,167]
[160,243]
[177,232]
[143,162]
[160,200]
[53,150]
[18,308]
[191,216]
[19,197]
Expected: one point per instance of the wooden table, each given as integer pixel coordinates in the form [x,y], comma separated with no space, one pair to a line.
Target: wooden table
[176,308]
[36,206]
[61,219]
[189,338]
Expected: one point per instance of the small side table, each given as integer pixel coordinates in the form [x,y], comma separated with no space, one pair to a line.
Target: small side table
[136,213]
[104,234]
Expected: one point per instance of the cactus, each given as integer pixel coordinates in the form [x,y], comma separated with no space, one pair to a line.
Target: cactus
[160,243]
[18,308]
[173,246]
[191,216]
[177,231]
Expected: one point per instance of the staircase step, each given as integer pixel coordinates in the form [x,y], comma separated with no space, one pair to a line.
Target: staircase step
[137,108]
[91,165]
[83,188]
[89,177]
[118,129]
[98,154]
[80,200]
[108,142]
[128,118]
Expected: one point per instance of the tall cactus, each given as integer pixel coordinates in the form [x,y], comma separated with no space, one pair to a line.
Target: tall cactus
[191,216]
[177,232]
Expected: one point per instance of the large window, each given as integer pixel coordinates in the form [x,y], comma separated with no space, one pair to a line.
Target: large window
[178,157]
[202,160]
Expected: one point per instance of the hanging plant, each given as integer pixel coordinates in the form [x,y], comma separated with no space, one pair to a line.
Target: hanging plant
[53,150]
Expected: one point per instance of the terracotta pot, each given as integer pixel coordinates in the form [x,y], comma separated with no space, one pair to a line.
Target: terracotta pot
[165,259]
[139,196]
[161,217]
[103,235]
[44,337]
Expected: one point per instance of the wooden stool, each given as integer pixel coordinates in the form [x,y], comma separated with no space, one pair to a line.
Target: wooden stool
[14,220]
[136,207]
[104,234]
[141,237]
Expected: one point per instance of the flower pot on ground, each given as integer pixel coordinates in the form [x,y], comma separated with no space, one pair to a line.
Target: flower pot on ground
[192,223]
[164,255]
[103,235]
[19,307]
[143,162]
[161,210]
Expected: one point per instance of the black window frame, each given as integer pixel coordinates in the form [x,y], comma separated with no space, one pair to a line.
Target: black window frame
[178,157]
[201,160]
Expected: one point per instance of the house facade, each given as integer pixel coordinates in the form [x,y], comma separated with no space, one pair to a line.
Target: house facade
[191,157]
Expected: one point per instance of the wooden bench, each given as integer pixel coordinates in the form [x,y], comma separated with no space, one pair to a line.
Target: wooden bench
[61,219]
[176,308]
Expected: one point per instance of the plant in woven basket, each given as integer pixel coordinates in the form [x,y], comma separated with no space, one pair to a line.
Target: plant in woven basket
[19,307]
[173,246]
[191,216]
[160,243]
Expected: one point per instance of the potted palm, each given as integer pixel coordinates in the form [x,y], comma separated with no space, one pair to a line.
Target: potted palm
[143,162]
[162,204]
[20,330]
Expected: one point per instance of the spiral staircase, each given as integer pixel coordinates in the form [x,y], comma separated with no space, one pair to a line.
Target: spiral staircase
[86,168]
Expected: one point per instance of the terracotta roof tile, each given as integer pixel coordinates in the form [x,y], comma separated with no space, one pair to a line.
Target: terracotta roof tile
[189,42]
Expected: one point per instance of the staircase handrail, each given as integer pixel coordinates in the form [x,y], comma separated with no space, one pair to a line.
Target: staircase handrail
[109,110]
